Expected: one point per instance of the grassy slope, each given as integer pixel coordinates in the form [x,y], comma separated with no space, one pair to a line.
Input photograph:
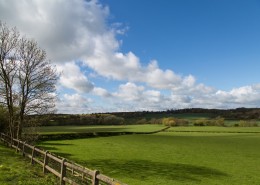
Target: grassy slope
[16,170]
[169,158]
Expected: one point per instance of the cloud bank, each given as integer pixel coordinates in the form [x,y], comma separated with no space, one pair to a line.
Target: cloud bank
[76,35]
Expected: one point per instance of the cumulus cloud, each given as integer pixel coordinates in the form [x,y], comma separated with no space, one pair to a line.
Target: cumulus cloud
[247,95]
[71,77]
[81,33]
[137,97]
[78,30]
[101,92]
[74,103]
[66,29]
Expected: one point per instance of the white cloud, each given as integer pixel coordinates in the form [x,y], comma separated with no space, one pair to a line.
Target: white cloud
[101,92]
[77,30]
[66,29]
[129,92]
[246,95]
[71,77]
[81,33]
[74,103]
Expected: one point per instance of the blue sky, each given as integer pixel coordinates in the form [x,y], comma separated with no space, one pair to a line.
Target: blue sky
[217,41]
[135,55]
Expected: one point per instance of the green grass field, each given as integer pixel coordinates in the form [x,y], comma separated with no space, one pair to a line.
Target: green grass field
[179,158]
[16,170]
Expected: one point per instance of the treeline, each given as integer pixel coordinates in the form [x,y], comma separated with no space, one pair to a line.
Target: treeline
[229,114]
[173,116]
[80,119]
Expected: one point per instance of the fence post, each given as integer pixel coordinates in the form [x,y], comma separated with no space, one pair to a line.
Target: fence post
[23,148]
[17,147]
[2,137]
[11,143]
[95,180]
[62,172]
[33,151]
[45,162]
[5,141]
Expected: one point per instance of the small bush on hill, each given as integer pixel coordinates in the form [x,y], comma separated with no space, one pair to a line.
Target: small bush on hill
[112,120]
[155,121]
[171,121]
[142,121]
[218,121]
[247,123]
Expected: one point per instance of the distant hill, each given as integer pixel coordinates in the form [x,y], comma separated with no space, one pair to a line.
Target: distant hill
[142,117]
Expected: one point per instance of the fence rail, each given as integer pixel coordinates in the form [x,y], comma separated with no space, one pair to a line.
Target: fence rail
[66,171]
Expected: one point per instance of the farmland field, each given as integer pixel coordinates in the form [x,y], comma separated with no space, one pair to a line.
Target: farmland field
[170,157]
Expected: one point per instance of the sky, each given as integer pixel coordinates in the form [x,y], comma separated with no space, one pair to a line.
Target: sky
[136,55]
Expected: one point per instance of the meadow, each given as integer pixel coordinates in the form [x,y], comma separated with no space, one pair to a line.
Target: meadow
[181,155]
[16,170]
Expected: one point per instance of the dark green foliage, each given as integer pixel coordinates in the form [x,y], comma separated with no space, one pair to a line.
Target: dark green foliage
[171,121]
[3,119]
[81,119]
[247,123]
[219,121]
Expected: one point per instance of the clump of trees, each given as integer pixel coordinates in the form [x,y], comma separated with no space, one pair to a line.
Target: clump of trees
[218,121]
[27,79]
[80,119]
[171,121]
[246,123]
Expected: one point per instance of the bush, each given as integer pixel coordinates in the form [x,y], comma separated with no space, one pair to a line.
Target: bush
[112,120]
[141,121]
[171,121]
[155,121]
[248,123]
[219,121]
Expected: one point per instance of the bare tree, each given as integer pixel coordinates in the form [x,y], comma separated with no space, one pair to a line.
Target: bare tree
[36,79]
[27,79]
[9,39]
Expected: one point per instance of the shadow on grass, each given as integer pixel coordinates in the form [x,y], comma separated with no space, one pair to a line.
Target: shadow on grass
[51,147]
[144,169]
[57,144]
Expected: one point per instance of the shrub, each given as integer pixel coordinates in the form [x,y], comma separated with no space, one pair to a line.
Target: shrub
[219,121]
[171,121]
[201,122]
[248,123]
[141,121]
[155,121]
[112,120]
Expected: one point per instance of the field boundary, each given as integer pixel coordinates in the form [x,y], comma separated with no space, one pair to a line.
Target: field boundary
[228,132]
[44,137]
[66,171]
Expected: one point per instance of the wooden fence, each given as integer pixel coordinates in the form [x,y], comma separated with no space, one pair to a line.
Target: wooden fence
[66,171]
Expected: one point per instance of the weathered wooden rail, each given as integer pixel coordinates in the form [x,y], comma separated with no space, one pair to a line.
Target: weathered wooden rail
[66,171]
